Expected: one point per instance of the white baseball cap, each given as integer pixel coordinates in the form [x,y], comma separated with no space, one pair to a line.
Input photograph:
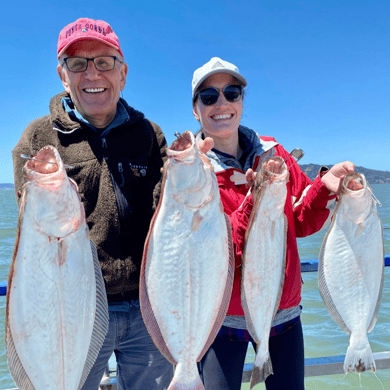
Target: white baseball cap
[215,65]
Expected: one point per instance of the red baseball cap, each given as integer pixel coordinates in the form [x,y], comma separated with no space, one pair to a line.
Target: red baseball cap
[83,29]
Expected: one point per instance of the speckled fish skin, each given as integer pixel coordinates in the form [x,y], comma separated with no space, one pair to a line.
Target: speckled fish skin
[56,314]
[351,270]
[188,265]
[264,263]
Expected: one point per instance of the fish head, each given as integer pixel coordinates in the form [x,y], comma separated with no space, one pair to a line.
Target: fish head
[53,199]
[357,203]
[191,176]
[183,150]
[271,183]
[273,169]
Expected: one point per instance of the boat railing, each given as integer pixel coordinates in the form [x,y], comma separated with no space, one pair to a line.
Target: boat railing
[327,365]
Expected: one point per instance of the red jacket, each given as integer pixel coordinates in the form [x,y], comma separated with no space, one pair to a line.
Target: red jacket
[306,209]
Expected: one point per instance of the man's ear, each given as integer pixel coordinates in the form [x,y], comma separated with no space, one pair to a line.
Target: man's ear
[123,73]
[63,78]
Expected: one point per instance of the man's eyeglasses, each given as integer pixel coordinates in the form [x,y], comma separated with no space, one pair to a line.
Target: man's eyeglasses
[80,64]
[210,95]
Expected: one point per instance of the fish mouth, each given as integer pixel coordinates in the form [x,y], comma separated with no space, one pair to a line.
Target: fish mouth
[282,171]
[183,149]
[45,162]
[360,178]
[184,142]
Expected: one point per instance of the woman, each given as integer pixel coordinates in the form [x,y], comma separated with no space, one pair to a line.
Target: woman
[218,92]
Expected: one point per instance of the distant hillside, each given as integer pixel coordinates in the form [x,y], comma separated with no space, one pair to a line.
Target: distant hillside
[372,176]
[311,170]
[6,186]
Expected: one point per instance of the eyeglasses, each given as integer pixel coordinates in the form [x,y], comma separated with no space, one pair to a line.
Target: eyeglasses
[80,64]
[210,95]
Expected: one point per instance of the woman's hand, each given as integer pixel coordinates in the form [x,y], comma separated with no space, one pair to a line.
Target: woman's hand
[205,145]
[335,176]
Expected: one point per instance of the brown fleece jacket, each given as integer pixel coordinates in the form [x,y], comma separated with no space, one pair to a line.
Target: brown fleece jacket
[118,180]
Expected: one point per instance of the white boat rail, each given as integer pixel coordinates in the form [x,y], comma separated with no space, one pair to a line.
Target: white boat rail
[329,365]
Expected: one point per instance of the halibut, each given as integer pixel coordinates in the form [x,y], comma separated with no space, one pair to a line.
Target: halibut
[56,310]
[188,263]
[263,259]
[351,270]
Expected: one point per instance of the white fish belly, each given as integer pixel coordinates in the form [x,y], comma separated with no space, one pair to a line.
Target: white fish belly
[186,275]
[52,307]
[352,270]
[263,272]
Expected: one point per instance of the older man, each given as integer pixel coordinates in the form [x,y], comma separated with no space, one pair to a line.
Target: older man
[116,154]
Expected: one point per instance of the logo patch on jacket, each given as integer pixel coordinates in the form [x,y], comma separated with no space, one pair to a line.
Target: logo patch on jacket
[138,170]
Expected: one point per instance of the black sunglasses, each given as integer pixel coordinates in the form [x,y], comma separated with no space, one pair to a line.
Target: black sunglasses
[210,95]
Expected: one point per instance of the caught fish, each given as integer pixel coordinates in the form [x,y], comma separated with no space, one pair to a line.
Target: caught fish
[188,264]
[263,262]
[56,312]
[351,270]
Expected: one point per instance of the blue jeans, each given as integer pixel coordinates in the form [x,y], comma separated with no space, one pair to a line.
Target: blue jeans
[222,366]
[140,365]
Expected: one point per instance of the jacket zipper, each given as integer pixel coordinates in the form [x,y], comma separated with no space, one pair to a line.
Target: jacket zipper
[120,169]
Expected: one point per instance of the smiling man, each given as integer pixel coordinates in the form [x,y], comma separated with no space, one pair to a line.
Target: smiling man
[116,155]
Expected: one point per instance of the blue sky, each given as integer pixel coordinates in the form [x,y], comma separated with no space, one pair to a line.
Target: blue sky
[318,71]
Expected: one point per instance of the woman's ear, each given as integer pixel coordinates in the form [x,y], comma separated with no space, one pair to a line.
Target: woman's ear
[195,112]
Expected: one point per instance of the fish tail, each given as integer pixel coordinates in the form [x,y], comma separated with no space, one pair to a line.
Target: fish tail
[262,368]
[186,379]
[195,385]
[359,359]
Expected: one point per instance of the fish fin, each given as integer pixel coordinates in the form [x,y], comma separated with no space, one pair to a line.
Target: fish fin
[376,311]
[324,290]
[248,319]
[148,315]
[196,221]
[273,229]
[16,369]
[226,295]
[359,360]
[262,368]
[101,323]
[359,229]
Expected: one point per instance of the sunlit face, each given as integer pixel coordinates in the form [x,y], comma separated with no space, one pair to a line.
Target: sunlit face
[222,119]
[95,94]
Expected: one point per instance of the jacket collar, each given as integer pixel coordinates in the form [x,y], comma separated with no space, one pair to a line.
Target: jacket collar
[252,146]
[64,123]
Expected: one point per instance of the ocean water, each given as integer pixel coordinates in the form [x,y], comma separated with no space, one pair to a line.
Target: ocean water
[322,335]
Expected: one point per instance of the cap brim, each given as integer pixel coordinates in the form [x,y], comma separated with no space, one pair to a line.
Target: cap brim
[88,39]
[236,75]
